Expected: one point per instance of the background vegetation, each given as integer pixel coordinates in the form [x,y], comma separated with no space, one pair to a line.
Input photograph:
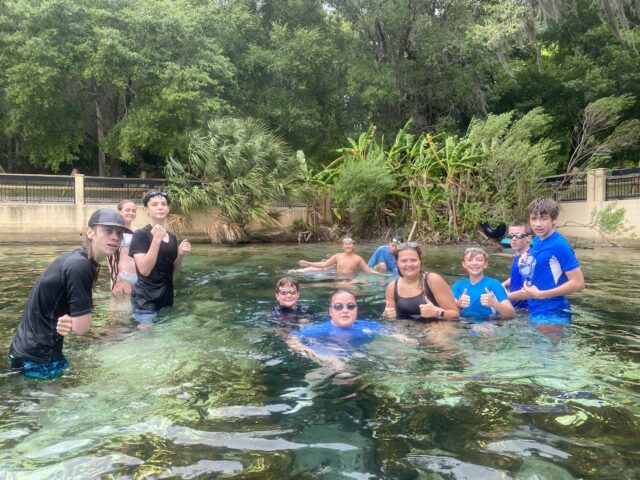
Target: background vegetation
[476,96]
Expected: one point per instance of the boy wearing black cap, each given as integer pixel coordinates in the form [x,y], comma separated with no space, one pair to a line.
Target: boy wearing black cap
[60,302]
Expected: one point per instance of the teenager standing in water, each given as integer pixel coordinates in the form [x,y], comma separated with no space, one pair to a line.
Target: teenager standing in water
[60,302]
[157,257]
[126,266]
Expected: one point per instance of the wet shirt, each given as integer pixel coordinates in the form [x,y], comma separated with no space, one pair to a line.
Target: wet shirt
[409,307]
[516,283]
[327,339]
[383,255]
[64,288]
[281,314]
[554,257]
[154,291]
[475,308]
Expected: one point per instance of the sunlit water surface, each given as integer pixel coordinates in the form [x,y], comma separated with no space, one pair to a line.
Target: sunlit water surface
[213,391]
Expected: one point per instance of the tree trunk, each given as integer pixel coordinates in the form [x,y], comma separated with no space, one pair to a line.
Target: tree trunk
[100,132]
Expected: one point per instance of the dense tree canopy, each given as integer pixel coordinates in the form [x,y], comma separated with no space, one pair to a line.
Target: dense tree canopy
[115,86]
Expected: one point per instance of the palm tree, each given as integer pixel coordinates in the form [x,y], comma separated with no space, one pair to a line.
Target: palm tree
[237,169]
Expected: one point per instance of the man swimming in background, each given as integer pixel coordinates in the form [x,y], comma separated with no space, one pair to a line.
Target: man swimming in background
[346,262]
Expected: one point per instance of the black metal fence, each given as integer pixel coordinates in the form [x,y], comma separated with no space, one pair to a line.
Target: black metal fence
[567,188]
[113,190]
[623,183]
[37,188]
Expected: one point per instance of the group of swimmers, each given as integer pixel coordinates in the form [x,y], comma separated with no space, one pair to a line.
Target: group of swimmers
[143,263]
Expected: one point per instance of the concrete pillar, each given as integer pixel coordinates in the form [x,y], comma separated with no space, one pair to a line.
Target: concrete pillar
[79,187]
[599,185]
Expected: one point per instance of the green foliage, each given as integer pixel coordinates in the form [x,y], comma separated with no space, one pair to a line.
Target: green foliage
[610,221]
[239,167]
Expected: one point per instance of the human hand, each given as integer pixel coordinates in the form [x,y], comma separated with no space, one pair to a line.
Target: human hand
[158,232]
[428,310]
[64,325]
[465,300]
[533,292]
[488,299]
[184,248]
[303,263]
[389,312]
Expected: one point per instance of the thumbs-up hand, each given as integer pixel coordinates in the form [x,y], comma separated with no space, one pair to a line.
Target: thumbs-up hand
[428,310]
[488,299]
[465,300]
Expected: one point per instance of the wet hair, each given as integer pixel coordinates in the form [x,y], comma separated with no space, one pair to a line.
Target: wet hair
[407,247]
[473,252]
[544,206]
[123,203]
[155,193]
[284,281]
[114,261]
[87,248]
[341,290]
[521,224]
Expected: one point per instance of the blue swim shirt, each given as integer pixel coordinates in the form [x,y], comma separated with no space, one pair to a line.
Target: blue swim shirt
[475,308]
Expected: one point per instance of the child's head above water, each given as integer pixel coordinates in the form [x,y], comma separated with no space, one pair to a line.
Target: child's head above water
[287,292]
[543,213]
[519,235]
[475,261]
[343,308]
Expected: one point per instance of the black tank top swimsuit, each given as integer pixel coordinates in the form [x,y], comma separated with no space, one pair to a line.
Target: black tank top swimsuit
[409,307]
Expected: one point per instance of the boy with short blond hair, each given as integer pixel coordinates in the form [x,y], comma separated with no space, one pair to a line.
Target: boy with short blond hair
[480,296]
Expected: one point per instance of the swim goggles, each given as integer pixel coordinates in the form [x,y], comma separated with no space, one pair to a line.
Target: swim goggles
[402,246]
[154,193]
[519,236]
[340,306]
[283,292]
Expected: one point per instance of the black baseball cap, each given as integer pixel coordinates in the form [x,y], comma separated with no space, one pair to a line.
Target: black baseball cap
[108,217]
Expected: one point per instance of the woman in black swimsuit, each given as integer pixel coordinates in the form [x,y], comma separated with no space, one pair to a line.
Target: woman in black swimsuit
[417,294]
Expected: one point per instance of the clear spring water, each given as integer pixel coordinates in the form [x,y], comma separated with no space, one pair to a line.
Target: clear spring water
[213,391]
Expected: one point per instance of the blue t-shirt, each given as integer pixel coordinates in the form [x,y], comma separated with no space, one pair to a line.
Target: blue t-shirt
[383,255]
[327,339]
[517,282]
[475,308]
[554,257]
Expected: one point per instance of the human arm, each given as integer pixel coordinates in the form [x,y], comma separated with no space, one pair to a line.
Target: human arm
[145,261]
[574,283]
[444,297]
[183,250]
[78,325]
[507,284]
[367,269]
[390,302]
[503,307]
[327,263]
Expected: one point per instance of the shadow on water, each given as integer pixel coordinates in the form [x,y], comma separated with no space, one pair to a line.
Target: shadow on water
[212,390]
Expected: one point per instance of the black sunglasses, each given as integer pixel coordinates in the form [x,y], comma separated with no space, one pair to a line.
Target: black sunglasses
[519,236]
[340,306]
[402,246]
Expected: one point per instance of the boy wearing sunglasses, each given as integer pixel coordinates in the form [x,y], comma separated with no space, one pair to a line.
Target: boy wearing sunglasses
[287,295]
[519,235]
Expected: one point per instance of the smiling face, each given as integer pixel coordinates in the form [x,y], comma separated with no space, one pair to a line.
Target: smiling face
[341,316]
[475,264]
[348,247]
[104,241]
[542,225]
[157,209]
[128,212]
[287,295]
[409,263]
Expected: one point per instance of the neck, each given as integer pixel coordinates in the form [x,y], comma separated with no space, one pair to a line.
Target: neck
[522,250]
[154,221]
[476,278]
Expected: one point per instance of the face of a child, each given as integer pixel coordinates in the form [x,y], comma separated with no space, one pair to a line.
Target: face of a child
[157,208]
[542,225]
[287,296]
[341,316]
[348,246]
[475,264]
[519,244]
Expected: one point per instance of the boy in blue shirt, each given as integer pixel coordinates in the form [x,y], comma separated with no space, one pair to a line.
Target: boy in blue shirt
[383,259]
[556,272]
[480,296]
[519,235]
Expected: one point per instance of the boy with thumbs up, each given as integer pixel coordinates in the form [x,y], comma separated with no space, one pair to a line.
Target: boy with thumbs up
[480,296]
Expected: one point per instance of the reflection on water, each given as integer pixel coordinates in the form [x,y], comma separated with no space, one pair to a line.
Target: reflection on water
[213,390]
